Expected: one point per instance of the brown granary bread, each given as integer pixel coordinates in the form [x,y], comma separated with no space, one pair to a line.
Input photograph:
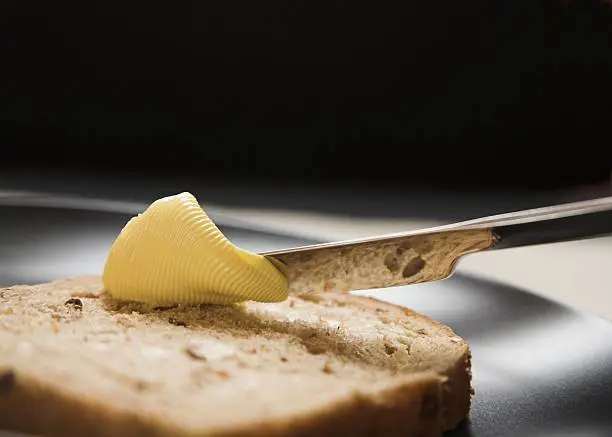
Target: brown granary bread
[73,362]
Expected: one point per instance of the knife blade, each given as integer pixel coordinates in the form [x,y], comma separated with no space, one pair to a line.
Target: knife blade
[432,254]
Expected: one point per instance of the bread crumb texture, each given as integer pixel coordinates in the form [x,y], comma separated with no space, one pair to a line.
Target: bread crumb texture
[75,361]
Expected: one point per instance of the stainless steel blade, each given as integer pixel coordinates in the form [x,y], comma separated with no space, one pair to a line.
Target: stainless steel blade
[432,254]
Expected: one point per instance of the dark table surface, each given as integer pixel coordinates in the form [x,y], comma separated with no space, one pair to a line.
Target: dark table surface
[540,368]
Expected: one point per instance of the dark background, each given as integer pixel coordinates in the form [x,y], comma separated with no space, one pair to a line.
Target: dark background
[439,93]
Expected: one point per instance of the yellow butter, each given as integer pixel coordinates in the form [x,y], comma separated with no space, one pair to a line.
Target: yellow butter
[173,253]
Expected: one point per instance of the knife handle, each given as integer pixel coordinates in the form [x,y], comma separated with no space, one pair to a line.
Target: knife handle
[556,230]
[567,222]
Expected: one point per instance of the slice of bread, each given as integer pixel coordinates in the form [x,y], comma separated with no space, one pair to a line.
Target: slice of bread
[73,362]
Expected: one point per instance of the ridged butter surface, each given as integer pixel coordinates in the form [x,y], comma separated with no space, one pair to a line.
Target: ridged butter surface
[173,253]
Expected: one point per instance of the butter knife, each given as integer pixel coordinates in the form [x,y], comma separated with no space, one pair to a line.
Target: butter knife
[432,254]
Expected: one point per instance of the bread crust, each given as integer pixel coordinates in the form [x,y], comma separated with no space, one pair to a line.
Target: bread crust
[412,408]
[457,389]
[421,405]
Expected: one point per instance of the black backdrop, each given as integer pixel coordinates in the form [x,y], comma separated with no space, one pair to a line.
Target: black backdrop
[477,92]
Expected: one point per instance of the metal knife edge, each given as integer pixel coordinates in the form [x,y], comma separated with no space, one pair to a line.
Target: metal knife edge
[431,254]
